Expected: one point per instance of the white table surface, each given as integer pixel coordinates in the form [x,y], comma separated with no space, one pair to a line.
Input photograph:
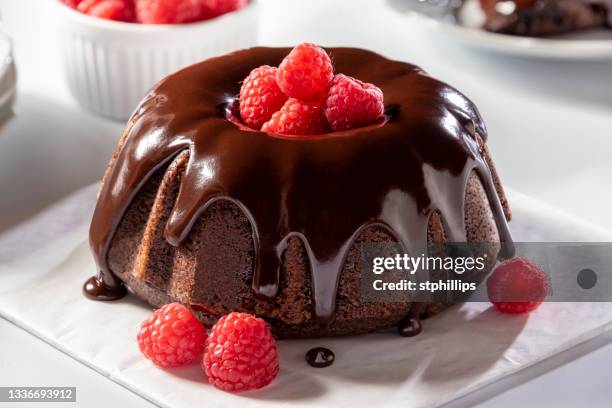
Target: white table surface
[550,126]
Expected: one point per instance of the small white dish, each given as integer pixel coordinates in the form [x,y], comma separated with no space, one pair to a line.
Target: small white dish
[110,66]
[8,78]
[462,25]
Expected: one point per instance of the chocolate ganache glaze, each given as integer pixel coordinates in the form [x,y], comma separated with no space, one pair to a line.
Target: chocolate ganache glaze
[322,189]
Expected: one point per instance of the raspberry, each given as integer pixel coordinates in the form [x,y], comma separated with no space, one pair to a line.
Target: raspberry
[305,73]
[71,3]
[214,8]
[241,353]
[172,336]
[84,5]
[351,103]
[517,286]
[118,10]
[260,97]
[169,11]
[297,118]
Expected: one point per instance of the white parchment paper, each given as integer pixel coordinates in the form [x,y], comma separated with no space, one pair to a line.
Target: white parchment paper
[44,262]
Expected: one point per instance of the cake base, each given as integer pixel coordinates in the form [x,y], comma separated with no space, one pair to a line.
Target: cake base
[211,272]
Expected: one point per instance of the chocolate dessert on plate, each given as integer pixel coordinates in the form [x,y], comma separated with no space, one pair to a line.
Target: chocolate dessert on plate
[197,208]
[535,18]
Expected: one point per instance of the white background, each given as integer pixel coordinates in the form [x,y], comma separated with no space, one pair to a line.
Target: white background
[550,126]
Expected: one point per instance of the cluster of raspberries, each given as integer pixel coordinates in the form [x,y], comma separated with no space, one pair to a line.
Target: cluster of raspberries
[304,97]
[156,11]
[239,354]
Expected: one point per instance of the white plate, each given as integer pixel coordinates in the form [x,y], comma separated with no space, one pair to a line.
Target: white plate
[8,77]
[463,28]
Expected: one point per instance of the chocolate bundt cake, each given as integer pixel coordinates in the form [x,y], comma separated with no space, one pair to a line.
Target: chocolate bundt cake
[545,17]
[195,208]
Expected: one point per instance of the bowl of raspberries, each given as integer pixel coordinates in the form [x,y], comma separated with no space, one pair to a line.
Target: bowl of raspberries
[114,51]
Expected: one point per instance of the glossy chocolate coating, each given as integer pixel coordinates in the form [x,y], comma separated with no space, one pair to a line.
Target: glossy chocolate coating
[322,189]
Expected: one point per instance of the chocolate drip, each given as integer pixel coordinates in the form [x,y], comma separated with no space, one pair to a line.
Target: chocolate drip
[320,357]
[411,325]
[322,189]
[96,289]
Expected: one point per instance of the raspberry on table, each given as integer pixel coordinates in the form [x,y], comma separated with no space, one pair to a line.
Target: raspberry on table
[517,286]
[214,8]
[305,73]
[241,353]
[169,11]
[351,103]
[172,336]
[297,118]
[260,97]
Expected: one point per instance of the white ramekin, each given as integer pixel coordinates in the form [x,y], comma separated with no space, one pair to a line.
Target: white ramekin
[110,66]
